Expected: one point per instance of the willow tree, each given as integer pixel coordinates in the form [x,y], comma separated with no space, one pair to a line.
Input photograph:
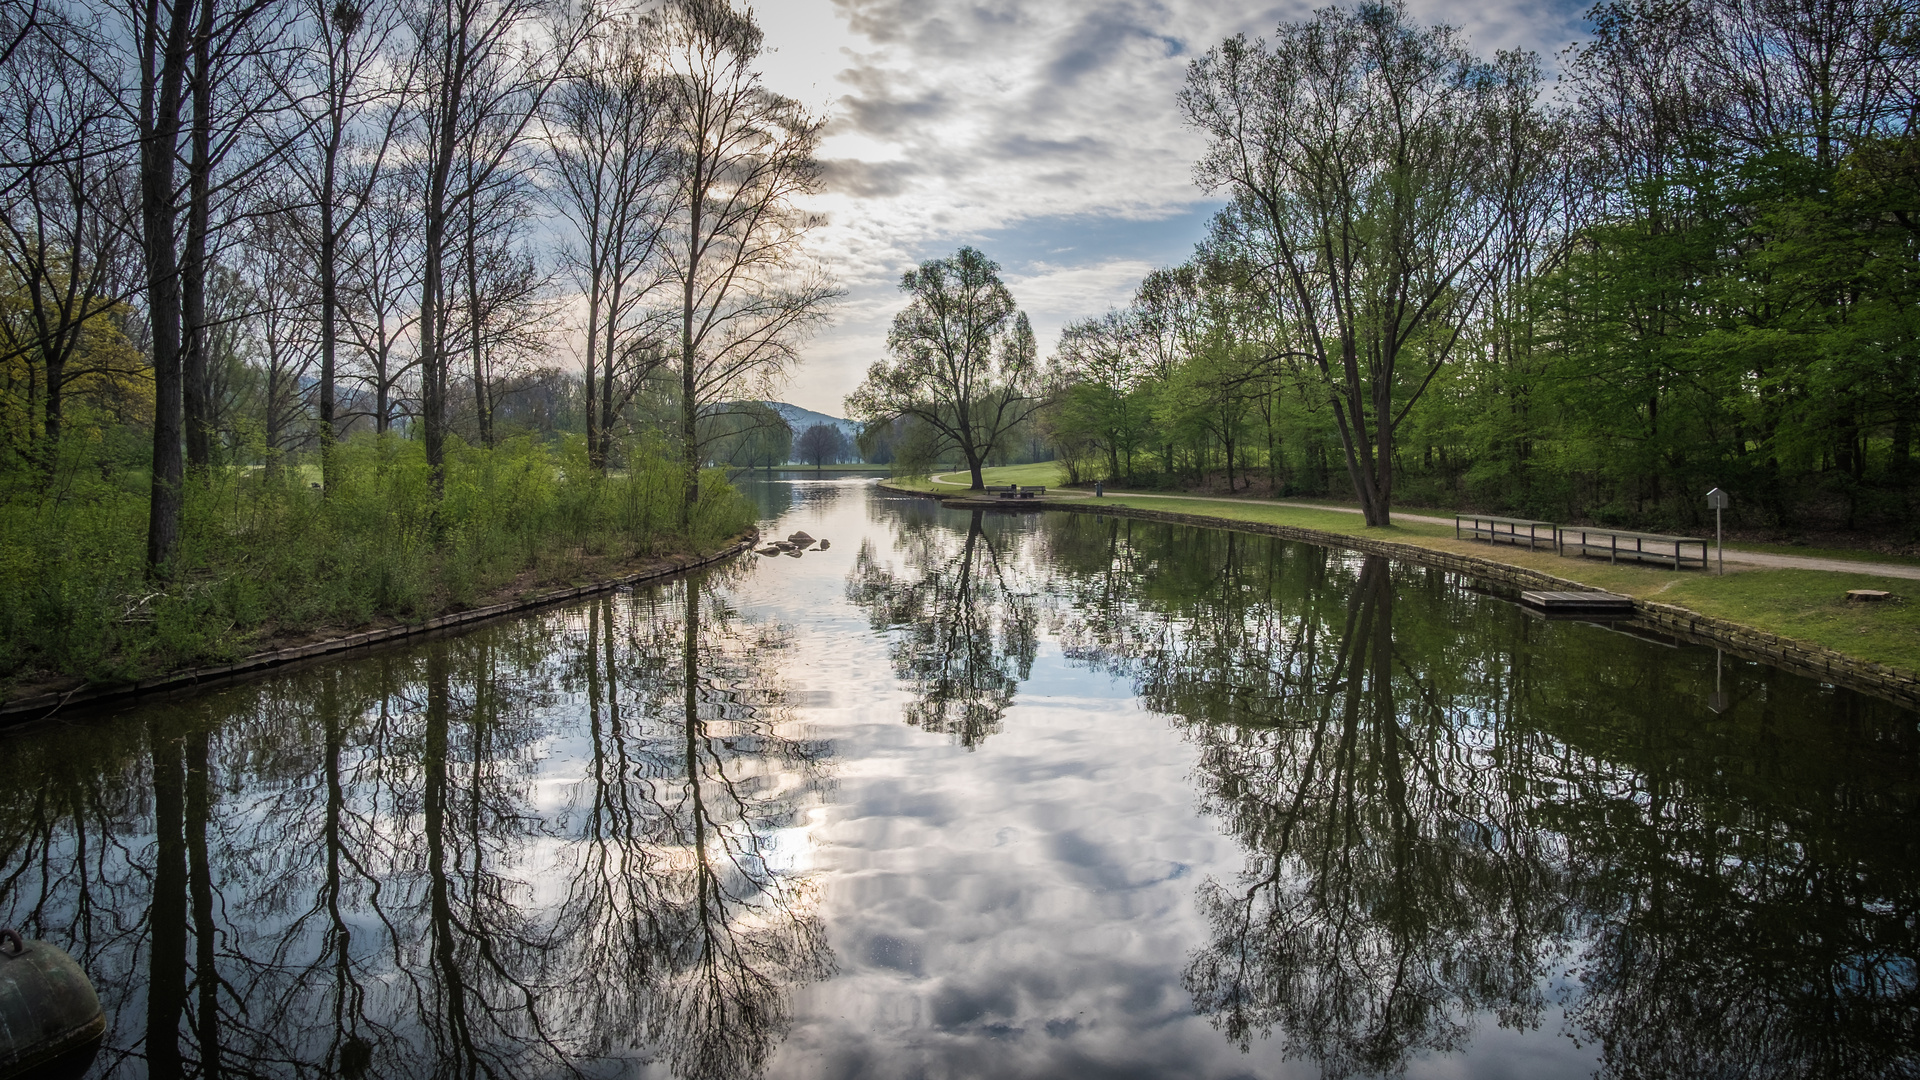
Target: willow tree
[1373,163]
[748,297]
[963,362]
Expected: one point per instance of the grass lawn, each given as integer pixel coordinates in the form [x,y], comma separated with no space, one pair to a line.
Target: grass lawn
[1038,474]
[1809,605]
[1050,474]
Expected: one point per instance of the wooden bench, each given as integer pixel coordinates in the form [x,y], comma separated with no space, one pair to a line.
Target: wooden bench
[1503,530]
[1617,544]
[1015,491]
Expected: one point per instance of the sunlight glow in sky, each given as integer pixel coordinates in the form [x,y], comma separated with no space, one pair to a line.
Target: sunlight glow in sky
[1043,132]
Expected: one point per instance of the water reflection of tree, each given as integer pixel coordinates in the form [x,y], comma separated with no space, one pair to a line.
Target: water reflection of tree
[680,893]
[963,625]
[1389,897]
[1442,803]
[346,871]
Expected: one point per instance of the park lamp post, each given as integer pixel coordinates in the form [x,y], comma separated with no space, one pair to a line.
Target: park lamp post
[1718,501]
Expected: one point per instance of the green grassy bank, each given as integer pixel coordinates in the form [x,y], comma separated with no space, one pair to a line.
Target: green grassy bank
[265,559]
[1808,605]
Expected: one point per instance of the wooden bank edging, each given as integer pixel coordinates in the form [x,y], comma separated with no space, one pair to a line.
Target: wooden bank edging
[44,706]
[1801,657]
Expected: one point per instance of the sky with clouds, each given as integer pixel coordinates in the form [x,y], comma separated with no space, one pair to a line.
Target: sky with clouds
[1043,132]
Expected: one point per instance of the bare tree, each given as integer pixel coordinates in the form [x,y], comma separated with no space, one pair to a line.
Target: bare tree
[503,313]
[615,166]
[63,247]
[384,257]
[161,35]
[963,360]
[506,317]
[236,51]
[485,68]
[746,156]
[287,320]
[821,444]
[1375,162]
[343,83]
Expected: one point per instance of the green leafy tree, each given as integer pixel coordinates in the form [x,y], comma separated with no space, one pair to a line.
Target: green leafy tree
[962,360]
[1372,160]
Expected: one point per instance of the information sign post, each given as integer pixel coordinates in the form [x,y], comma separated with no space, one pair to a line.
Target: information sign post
[1718,500]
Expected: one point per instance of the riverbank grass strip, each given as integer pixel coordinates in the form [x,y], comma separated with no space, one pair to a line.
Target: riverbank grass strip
[43,706]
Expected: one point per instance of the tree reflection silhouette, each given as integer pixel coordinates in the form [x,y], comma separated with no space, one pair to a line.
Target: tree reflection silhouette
[679,888]
[1370,925]
[1450,812]
[353,871]
[963,626]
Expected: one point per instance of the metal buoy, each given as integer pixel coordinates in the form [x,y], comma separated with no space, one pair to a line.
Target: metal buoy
[51,1022]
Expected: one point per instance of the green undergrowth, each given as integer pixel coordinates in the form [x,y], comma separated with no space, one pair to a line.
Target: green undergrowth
[264,554]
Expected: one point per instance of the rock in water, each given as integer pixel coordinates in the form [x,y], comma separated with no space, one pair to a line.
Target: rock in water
[51,1022]
[795,553]
[824,545]
[801,538]
[769,550]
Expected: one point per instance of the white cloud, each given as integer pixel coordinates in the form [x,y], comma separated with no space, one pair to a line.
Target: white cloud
[981,121]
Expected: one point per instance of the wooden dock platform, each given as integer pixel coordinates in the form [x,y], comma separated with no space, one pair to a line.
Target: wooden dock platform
[1579,603]
[1008,505]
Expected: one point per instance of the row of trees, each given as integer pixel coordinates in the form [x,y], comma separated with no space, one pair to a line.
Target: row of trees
[365,212]
[1695,265]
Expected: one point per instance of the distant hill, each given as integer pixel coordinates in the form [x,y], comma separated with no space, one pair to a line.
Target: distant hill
[800,419]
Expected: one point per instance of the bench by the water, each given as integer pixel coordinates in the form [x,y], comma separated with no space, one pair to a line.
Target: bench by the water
[1617,544]
[1015,491]
[1503,530]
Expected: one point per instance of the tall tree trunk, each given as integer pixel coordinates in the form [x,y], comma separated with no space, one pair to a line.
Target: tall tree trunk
[433,360]
[56,374]
[607,355]
[689,408]
[329,283]
[275,417]
[593,374]
[482,394]
[193,270]
[161,91]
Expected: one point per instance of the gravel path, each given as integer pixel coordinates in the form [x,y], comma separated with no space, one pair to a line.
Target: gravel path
[1751,558]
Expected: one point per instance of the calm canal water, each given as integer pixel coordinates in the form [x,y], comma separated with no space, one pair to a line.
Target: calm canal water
[993,796]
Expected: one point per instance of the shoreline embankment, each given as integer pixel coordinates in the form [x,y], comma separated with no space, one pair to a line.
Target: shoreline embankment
[40,707]
[1800,657]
